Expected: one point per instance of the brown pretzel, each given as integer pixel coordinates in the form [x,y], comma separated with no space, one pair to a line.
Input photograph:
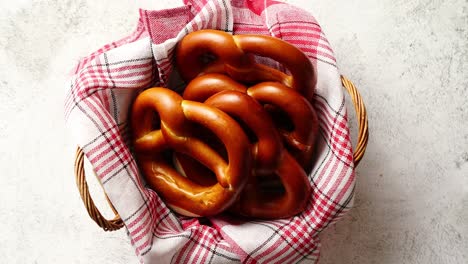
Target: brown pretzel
[270,203]
[266,143]
[233,55]
[193,170]
[267,147]
[270,158]
[300,139]
[175,116]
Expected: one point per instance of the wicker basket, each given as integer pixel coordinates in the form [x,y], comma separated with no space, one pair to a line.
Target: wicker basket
[117,223]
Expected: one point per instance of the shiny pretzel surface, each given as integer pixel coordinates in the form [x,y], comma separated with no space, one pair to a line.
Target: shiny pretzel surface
[175,116]
[233,55]
[241,137]
[300,138]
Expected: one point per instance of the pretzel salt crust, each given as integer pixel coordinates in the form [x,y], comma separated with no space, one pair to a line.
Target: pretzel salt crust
[175,116]
[233,56]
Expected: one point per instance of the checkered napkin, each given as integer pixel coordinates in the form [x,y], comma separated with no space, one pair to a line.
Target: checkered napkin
[105,83]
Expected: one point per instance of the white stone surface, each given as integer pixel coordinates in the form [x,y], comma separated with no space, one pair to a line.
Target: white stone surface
[408,58]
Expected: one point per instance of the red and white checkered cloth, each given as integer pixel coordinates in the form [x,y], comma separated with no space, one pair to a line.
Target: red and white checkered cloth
[104,85]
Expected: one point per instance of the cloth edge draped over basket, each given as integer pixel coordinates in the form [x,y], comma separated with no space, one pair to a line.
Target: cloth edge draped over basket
[104,85]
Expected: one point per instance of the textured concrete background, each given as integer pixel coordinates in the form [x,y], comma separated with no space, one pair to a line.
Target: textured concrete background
[408,58]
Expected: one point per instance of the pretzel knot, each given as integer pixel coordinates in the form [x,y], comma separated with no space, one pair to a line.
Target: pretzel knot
[266,196]
[271,161]
[161,121]
[301,129]
[208,51]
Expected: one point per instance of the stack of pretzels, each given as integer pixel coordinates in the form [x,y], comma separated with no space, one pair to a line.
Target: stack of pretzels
[240,138]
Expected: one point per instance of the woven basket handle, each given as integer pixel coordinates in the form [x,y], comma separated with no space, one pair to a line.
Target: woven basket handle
[361,116]
[108,225]
[117,223]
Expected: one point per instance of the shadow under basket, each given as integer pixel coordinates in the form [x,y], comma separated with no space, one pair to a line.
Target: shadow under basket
[117,223]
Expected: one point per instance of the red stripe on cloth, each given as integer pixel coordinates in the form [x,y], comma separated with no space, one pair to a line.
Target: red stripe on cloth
[100,115]
[219,223]
[104,95]
[211,9]
[325,114]
[137,220]
[146,230]
[68,104]
[199,255]
[323,212]
[143,225]
[146,233]
[165,24]
[115,166]
[137,34]
[325,129]
[204,254]
[305,46]
[190,223]
[96,150]
[145,245]
[341,142]
[116,78]
[312,46]
[129,67]
[220,17]
[307,38]
[336,131]
[314,53]
[140,248]
[304,26]
[104,118]
[275,251]
[114,140]
[137,251]
[299,242]
[197,4]
[289,256]
[105,165]
[173,224]
[185,250]
[347,179]
[251,30]
[258,32]
[329,168]
[156,212]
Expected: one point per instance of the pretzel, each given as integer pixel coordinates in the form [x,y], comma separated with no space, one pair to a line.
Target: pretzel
[173,133]
[267,148]
[268,203]
[300,139]
[270,160]
[208,51]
